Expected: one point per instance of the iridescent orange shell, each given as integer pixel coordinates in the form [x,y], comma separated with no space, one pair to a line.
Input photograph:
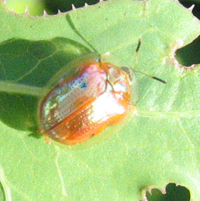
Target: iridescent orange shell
[87,97]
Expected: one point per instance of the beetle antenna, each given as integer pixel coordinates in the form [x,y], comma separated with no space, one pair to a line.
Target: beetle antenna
[136,53]
[135,61]
[151,76]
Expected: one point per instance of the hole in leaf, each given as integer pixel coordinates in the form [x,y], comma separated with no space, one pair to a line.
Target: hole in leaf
[190,54]
[189,3]
[173,193]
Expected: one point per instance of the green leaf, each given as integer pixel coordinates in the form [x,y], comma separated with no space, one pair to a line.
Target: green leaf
[159,145]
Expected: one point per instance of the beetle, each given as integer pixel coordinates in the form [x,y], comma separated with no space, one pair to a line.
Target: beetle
[91,97]
[85,98]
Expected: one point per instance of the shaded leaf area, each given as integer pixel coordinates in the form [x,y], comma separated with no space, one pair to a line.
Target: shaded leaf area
[29,65]
[173,192]
[19,111]
[159,145]
[35,62]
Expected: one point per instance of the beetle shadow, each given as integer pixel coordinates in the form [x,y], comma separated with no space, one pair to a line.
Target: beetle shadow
[29,65]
